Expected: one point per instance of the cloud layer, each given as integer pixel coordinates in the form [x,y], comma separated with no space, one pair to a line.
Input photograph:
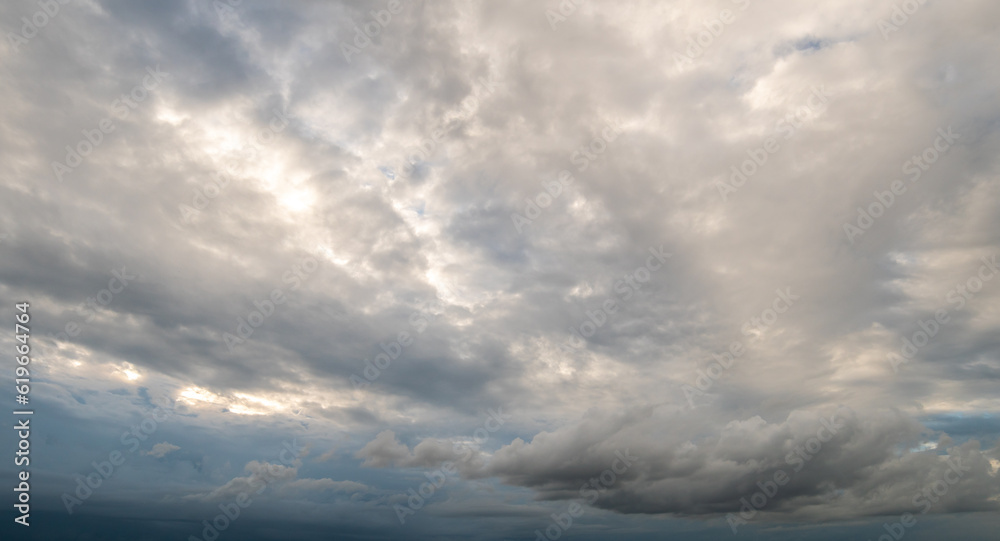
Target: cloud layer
[692,232]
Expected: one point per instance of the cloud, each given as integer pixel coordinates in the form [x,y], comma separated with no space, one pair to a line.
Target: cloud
[487,310]
[161,449]
[840,465]
[387,451]
[261,476]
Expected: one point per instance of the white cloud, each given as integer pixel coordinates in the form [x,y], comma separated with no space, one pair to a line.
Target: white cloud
[161,449]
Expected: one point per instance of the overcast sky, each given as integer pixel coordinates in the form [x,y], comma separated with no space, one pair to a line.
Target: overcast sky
[590,270]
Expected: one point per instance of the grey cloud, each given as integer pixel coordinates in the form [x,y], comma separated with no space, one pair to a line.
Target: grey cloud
[861,469]
[506,299]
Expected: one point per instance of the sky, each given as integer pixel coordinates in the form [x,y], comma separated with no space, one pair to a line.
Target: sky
[502,270]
